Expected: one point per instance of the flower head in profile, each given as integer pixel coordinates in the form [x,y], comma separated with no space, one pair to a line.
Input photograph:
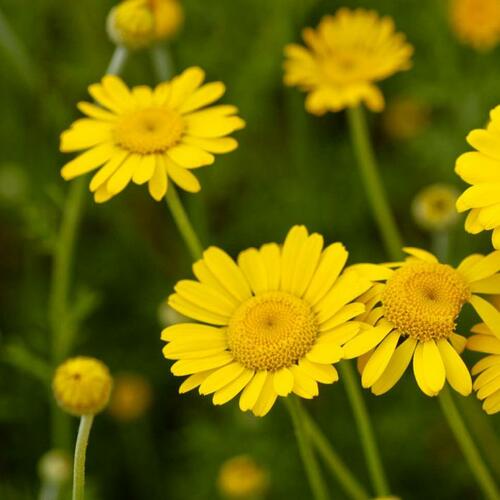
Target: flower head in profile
[270,323]
[82,386]
[413,307]
[476,22]
[433,207]
[139,23]
[344,58]
[481,169]
[145,135]
[487,383]
[241,478]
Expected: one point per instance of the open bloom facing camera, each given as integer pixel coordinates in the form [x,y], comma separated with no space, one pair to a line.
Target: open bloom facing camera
[414,309]
[343,59]
[271,324]
[149,135]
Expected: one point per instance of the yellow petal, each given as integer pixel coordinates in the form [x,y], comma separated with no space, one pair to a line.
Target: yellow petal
[266,398]
[483,268]
[108,169]
[435,373]
[490,285]
[340,334]
[117,90]
[203,126]
[218,145]
[85,134]
[143,96]
[205,95]
[283,382]
[101,195]
[326,374]
[485,363]
[485,142]
[379,360]
[252,391]
[306,264]
[184,85]
[221,377]
[120,179]
[158,183]
[487,376]
[420,254]
[325,352]
[204,296]
[294,241]
[232,389]
[487,312]
[205,276]
[484,343]
[372,272]
[347,313]
[182,177]
[191,331]
[194,381]
[192,311]
[271,256]
[419,370]
[96,111]
[303,385]
[457,374]
[475,168]
[188,156]
[479,195]
[88,161]
[253,266]
[145,169]
[366,340]
[190,366]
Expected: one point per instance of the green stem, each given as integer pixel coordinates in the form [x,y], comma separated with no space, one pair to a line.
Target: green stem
[373,185]
[183,224]
[441,244]
[118,60]
[313,471]
[349,483]
[365,429]
[467,445]
[162,62]
[79,460]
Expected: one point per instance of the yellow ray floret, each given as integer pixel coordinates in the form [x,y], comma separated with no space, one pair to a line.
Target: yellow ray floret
[145,135]
[487,383]
[481,169]
[413,308]
[343,59]
[270,323]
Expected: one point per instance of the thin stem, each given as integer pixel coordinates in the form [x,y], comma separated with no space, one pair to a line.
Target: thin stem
[80,453]
[313,471]
[365,429]
[118,60]
[162,62]
[441,244]
[183,224]
[373,185]
[349,483]
[467,445]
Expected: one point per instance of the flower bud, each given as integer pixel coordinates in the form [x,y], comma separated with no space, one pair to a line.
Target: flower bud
[434,207]
[242,478]
[132,396]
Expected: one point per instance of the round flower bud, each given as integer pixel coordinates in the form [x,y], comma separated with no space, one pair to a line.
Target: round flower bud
[82,386]
[55,467]
[139,23]
[434,207]
[131,398]
[241,478]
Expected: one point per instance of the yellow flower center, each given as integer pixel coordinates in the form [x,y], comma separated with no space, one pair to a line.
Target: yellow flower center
[423,300]
[272,331]
[149,131]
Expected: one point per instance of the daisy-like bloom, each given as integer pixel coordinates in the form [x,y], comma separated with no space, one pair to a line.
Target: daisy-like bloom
[242,478]
[434,207]
[139,23]
[344,57]
[413,307]
[481,169]
[487,383]
[82,386]
[271,324]
[149,135]
[476,22]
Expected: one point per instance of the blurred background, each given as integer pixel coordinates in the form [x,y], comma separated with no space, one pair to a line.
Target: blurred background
[290,168]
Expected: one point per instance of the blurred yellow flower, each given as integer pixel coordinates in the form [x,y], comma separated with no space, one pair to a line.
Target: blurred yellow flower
[82,386]
[139,23]
[241,478]
[434,207]
[55,467]
[149,135]
[131,398]
[271,324]
[405,118]
[476,22]
[487,383]
[481,169]
[413,311]
[344,58]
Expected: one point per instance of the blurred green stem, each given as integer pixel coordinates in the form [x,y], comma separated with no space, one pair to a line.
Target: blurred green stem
[441,244]
[162,62]
[373,185]
[118,60]
[339,470]
[311,465]
[365,429]
[80,453]
[183,224]
[14,49]
[467,445]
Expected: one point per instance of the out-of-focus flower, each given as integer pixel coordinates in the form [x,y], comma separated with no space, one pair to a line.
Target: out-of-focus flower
[55,467]
[131,398]
[476,22]
[433,207]
[481,169]
[413,308]
[139,23]
[13,184]
[405,118]
[241,478]
[272,322]
[487,383]
[82,386]
[145,135]
[344,58]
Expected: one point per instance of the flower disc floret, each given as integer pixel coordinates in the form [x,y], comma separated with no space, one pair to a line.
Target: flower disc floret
[272,331]
[423,300]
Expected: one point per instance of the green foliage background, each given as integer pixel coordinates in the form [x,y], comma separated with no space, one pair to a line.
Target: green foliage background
[290,168]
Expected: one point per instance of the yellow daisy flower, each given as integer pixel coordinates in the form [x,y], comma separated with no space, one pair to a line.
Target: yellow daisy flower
[272,323]
[344,56]
[149,135]
[476,22]
[139,23]
[413,309]
[481,169]
[487,383]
